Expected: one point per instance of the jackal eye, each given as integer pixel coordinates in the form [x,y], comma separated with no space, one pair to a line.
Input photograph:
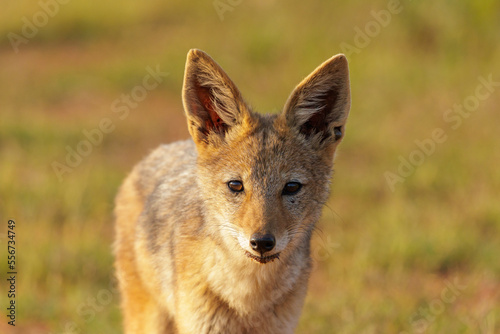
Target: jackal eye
[236,186]
[291,188]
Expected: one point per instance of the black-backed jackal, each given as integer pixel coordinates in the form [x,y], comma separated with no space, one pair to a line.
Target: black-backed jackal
[213,233]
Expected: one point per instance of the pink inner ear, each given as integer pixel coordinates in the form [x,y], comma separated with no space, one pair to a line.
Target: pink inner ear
[212,120]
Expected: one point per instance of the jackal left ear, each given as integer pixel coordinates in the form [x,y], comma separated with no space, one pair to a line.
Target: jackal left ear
[211,100]
[318,107]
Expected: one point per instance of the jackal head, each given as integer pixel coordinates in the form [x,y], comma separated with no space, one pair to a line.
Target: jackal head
[264,178]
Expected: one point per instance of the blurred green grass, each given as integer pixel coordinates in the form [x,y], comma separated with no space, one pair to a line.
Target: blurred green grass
[385,256]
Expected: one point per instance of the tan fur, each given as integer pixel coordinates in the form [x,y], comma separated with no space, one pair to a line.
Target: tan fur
[183,255]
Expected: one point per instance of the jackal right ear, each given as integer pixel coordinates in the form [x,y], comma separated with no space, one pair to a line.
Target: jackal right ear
[211,100]
[318,107]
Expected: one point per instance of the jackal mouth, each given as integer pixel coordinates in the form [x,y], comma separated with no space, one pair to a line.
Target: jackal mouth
[263,259]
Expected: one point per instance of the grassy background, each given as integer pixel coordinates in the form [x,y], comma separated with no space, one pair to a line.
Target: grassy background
[384,259]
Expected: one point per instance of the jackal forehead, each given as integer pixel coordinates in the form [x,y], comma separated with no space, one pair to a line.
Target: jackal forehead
[269,155]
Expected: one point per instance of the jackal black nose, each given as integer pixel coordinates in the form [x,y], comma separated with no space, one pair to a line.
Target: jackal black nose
[262,243]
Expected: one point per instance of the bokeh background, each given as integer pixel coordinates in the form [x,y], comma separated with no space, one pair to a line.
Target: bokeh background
[415,251]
